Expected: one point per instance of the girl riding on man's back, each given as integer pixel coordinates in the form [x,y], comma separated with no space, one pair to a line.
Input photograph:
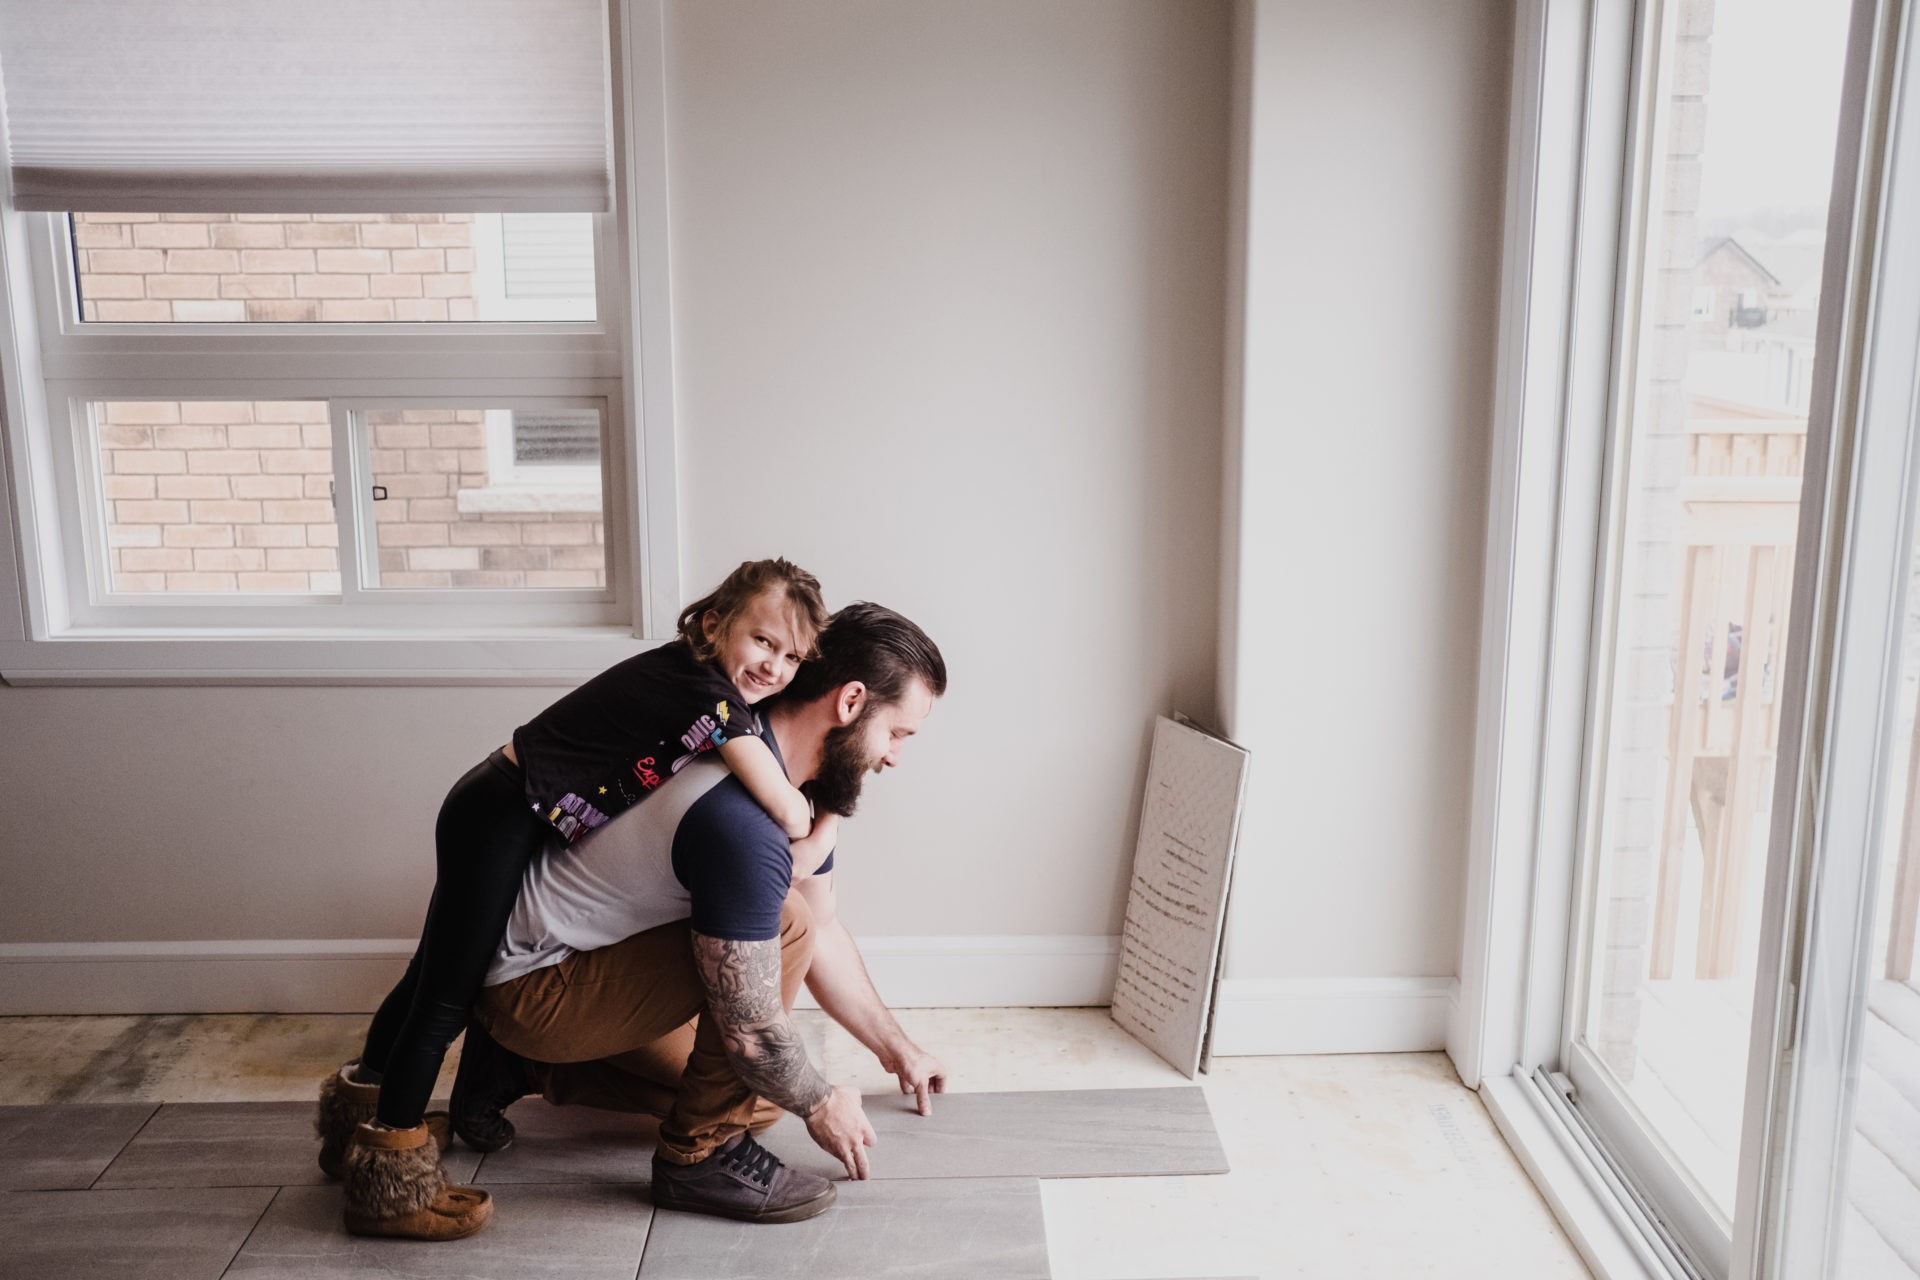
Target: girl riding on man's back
[604,746]
[592,754]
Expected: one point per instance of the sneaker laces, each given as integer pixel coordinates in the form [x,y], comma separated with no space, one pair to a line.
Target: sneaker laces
[754,1160]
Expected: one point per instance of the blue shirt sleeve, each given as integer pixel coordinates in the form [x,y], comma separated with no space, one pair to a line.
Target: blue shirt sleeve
[736,863]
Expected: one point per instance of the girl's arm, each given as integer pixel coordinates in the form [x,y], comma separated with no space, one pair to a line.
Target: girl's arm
[810,852]
[752,762]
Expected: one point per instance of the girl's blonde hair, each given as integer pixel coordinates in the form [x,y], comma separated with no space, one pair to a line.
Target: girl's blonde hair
[729,600]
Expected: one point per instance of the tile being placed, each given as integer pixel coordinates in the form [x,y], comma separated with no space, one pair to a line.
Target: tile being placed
[927,1229]
[572,1144]
[571,1232]
[1052,1134]
[234,1144]
[64,1147]
[175,1234]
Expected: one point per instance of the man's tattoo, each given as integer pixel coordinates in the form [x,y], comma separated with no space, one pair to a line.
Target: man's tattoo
[743,995]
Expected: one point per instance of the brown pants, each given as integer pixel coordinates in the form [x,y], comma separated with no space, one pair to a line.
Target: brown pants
[625,1028]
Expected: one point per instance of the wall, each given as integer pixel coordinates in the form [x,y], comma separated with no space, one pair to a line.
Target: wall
[1372,145]
[954,274]
[948,305]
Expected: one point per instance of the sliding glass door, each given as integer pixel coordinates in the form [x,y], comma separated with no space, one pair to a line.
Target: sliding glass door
[1739,334]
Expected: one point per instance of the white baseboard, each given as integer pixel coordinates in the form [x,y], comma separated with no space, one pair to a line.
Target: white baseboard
[1010,971]
[352,975]
[1254,1016]
[258,975]
[1332,1015]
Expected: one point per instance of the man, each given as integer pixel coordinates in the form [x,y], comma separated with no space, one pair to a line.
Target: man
[654,967]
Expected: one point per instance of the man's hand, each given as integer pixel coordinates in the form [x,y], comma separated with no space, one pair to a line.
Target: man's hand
[839,1124]
[921,1075]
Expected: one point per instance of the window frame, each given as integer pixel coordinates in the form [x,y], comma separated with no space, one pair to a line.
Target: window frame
[53,630]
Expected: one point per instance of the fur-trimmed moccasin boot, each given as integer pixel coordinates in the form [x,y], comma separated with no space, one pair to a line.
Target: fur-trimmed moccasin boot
[395,1186]
[345,1104]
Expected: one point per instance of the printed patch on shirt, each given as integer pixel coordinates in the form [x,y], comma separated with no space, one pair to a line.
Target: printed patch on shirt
[643,769]
[574,817]
[696,740]
[722,711]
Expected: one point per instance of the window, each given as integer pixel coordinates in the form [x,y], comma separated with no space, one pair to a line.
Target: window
[265,426]
[1690,685]
[277,268]
[1710,448]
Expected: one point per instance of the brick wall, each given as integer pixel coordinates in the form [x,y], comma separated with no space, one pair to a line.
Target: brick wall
[180,267]
[227,496]
[424,459]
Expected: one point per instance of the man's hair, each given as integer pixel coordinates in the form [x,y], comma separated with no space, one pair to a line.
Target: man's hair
[806,612]
[874,645]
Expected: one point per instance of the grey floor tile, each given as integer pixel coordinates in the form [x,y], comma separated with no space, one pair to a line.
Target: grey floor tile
[234,1144]
[571,1144]
[572,1232]
[926,1229]
[178,1234]
[64,1146]
[1066,1134]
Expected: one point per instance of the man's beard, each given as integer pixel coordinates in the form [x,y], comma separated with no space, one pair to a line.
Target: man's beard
[836,787]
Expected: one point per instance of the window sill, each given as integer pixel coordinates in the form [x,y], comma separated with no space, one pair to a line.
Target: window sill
[287,657]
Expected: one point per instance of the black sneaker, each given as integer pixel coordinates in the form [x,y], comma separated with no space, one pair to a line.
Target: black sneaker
[491,1079]
[741,1180]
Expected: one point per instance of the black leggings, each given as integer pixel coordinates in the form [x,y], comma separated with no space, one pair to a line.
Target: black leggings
[483,841]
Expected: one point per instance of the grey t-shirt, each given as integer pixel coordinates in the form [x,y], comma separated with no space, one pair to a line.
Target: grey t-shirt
[701,849]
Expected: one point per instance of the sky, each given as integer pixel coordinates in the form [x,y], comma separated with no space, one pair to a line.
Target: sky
[1773,105]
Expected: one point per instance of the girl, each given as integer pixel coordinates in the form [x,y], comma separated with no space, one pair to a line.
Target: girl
[597,751]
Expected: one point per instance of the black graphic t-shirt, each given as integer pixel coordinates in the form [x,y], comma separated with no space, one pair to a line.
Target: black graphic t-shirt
[605,746]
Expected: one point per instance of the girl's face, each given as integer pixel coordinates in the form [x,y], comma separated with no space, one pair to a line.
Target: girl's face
[760,651]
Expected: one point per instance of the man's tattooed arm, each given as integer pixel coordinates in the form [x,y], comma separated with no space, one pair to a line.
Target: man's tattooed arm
[743,997]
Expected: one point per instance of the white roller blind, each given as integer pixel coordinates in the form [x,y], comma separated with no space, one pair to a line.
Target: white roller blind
[285,106]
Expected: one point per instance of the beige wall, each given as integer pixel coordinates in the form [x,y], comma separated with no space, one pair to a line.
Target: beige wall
[948,301]
[955,274]
[948,282]
[1374,154]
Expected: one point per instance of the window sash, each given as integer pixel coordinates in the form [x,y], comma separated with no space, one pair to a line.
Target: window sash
[91,602]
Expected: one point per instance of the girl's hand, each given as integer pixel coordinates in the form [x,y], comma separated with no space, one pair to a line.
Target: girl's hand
[812,850]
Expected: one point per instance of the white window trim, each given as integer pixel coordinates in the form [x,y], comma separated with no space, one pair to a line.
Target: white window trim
[41,640]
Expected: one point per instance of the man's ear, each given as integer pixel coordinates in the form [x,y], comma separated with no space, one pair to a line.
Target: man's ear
[849,702]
